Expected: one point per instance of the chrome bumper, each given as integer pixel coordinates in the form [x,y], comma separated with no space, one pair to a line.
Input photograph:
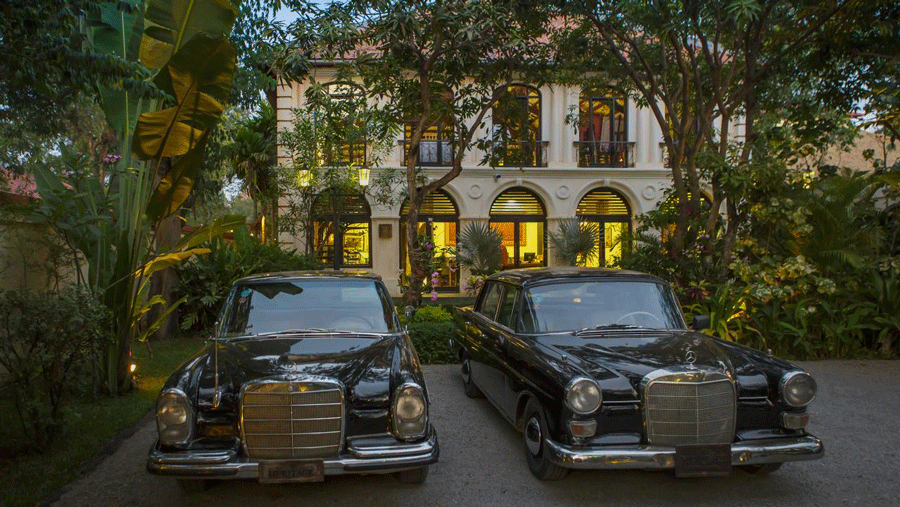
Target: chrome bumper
[747,452]
[233,464]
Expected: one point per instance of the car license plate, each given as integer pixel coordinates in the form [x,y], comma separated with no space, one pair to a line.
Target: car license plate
[291,471]
[702,460]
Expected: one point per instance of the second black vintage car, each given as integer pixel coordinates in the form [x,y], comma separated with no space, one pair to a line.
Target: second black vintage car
[308,375]
[597,370]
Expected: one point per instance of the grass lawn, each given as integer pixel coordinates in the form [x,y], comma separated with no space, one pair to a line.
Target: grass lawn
[26,479]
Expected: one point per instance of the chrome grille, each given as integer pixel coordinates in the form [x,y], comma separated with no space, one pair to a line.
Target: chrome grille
[691,407]
[289,420]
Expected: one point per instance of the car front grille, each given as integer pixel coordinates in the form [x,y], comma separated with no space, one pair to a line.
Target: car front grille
[690,407]
[290,420]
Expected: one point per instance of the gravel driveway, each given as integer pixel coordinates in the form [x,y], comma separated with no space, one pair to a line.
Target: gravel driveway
[857,414]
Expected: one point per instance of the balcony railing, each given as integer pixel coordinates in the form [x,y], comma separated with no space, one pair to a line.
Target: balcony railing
[431,153]
[605,153]
[521,153]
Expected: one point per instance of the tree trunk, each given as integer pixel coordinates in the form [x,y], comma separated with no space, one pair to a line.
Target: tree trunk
[165,282]
[413,295]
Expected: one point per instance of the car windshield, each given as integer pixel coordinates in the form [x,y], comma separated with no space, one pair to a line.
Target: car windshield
[598,304]
[271,307]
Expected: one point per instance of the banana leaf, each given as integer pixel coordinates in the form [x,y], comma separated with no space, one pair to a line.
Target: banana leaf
[171,22]
[199,77]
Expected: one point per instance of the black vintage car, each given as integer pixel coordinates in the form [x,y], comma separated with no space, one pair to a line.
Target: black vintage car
[309,375]
[597,370]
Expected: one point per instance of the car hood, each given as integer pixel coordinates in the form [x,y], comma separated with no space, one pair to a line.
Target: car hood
[620,359]
[362,363]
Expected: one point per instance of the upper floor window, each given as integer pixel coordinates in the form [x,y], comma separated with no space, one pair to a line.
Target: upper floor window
[517,129]
[602,126]
[435,148]
[347,145]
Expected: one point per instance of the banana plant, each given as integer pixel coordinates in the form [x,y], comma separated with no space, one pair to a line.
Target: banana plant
[183,66]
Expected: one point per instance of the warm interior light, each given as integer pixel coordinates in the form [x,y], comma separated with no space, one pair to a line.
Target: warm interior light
[364,176]
[133,367]
[304,178]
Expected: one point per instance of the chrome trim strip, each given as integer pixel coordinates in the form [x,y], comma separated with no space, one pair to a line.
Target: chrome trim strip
[647,457]
[227,464]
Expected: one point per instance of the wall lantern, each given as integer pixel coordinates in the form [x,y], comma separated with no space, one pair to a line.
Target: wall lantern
[364,176]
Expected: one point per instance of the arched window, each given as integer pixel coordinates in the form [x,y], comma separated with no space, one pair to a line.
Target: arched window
[517,129]
[342,229]
[610,212]
[438,220]
[345,103]
[520,216]
[602,130]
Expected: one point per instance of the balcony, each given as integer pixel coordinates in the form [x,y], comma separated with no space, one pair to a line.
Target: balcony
[521,154]
[431,153]
[604,153]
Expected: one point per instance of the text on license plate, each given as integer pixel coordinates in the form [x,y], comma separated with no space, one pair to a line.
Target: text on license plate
[291,471]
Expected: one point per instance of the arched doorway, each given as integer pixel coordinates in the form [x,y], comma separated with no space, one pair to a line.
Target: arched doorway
[439,221]
[609,211]
[341,232]
[521,218]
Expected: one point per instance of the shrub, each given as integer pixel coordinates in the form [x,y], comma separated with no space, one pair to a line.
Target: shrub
[48,343]
[432,314]
[431,341]
[205,280]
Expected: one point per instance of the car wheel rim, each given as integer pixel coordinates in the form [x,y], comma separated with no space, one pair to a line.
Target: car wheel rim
[533,436]
[466,371]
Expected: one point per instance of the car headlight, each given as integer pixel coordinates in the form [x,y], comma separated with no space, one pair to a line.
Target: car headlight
[174,418]
[410,412]
[583,396]
[797,388]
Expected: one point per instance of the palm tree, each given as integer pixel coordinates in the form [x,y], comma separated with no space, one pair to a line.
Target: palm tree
[251,154]
[480,248]
[575,243]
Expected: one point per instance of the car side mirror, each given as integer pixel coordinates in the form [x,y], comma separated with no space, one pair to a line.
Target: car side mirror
[701,322]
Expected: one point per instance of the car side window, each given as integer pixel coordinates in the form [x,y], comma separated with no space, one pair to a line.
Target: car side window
[508,308]
[491,300]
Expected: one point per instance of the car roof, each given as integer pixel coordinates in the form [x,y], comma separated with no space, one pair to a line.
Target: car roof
[531,276]
[309,275]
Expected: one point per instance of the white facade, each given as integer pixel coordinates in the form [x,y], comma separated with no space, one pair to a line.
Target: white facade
[560,186]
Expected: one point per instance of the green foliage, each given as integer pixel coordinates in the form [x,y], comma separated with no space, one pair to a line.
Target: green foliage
[48,345]
[28,477]
[431,341]
[812,275]
[480,248]
[575,243]
[431,313]
[205,280]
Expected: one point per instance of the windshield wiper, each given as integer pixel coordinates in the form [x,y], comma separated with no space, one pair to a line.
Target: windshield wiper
[294,331]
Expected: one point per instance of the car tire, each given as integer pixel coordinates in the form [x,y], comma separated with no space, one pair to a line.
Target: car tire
[761,469]
[534,434]
[193,486]
[414,476]
[469,387]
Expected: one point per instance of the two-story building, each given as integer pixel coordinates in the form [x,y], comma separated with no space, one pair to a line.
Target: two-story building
[608,169]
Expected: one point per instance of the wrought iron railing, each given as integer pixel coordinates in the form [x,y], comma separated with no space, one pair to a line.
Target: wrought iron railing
[431,153]
[605,153]
[521,153]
